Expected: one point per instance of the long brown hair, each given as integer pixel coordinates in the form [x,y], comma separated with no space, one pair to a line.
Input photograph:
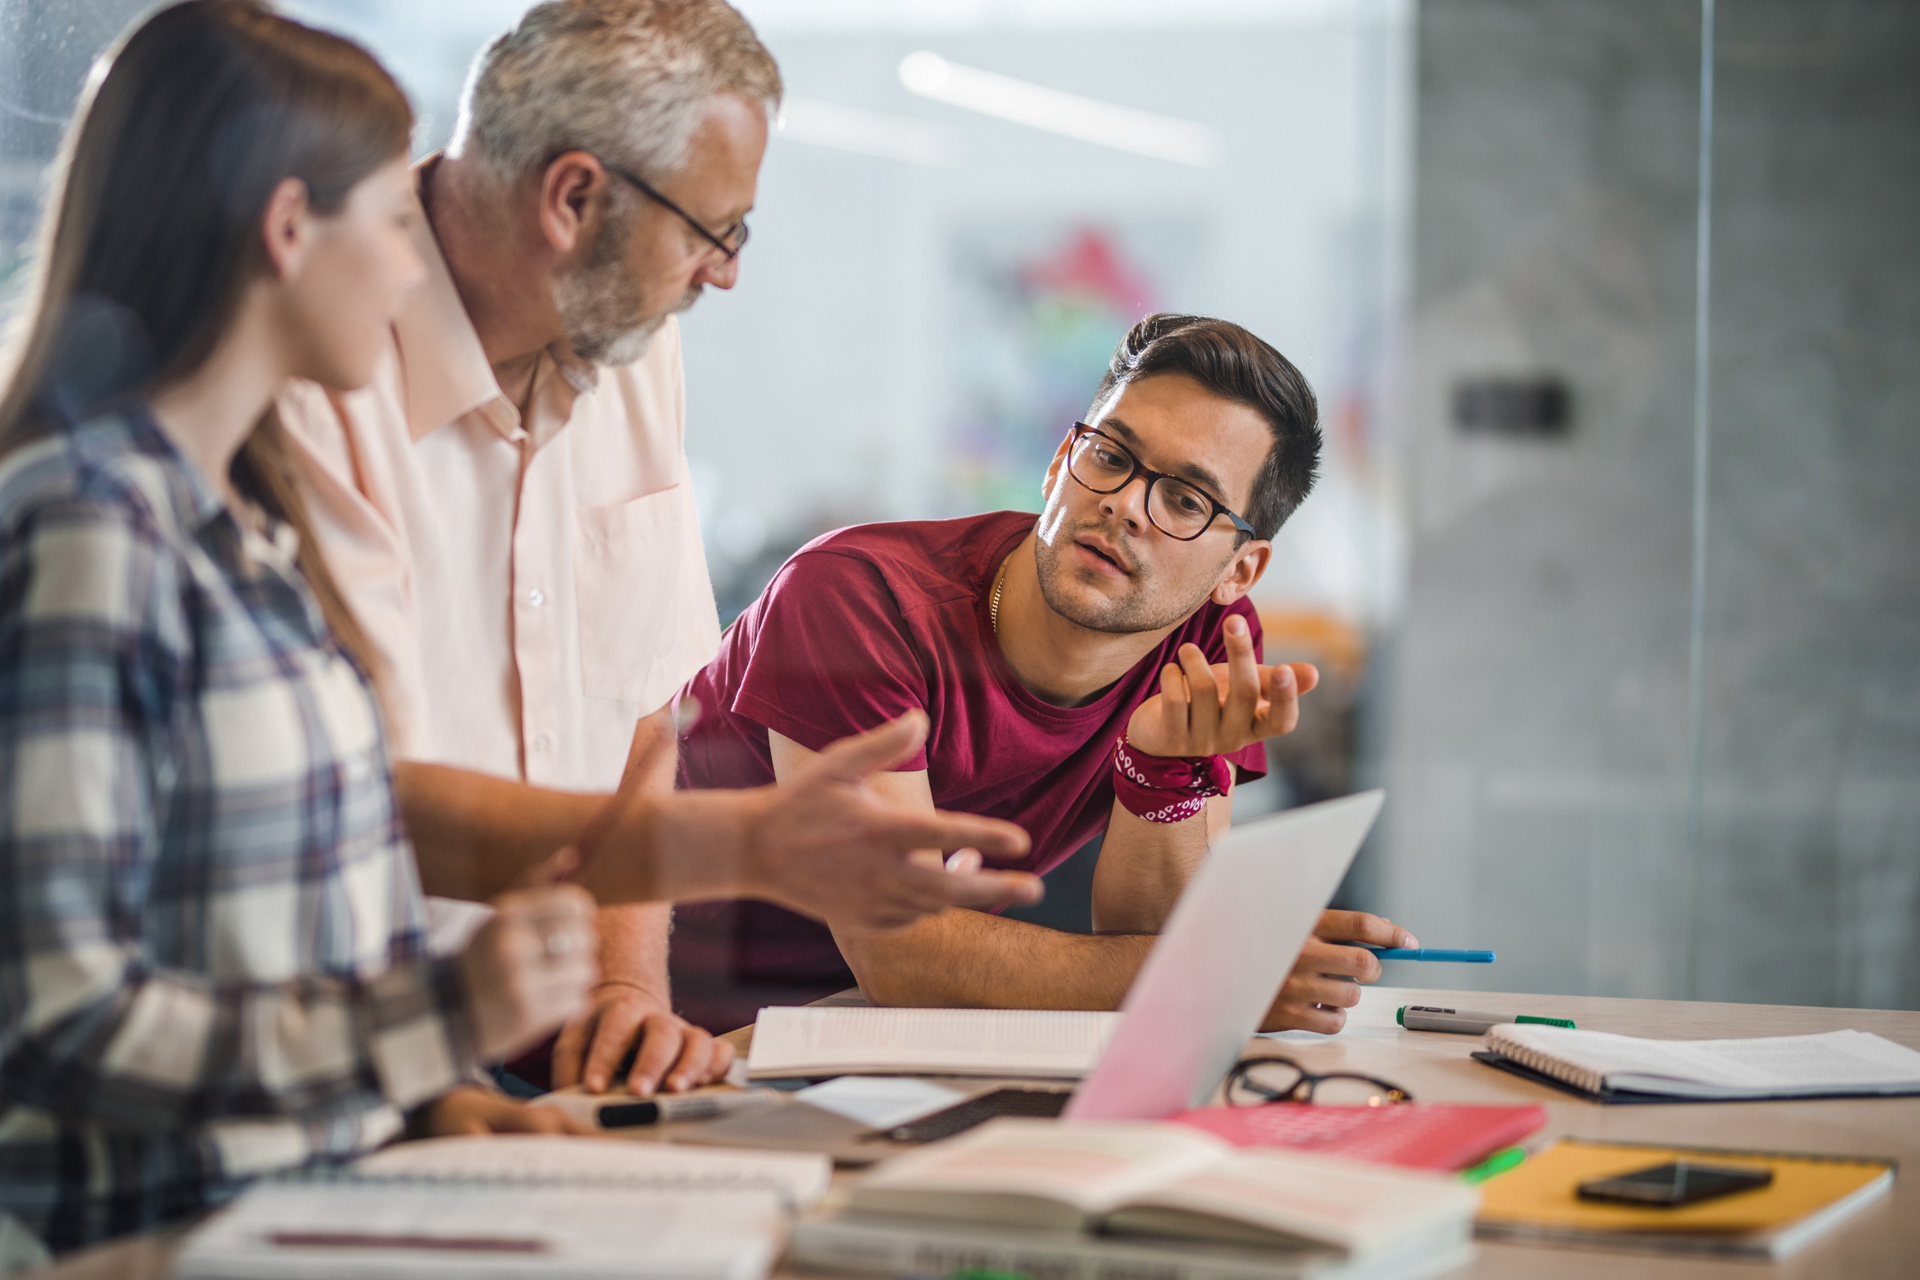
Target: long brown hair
[153,231]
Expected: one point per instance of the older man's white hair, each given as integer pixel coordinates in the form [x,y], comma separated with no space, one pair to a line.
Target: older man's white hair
[629,80]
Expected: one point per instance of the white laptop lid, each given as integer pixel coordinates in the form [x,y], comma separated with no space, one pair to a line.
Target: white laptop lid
[1229,944]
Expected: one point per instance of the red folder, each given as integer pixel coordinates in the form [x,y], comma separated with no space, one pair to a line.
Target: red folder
[1412,1134]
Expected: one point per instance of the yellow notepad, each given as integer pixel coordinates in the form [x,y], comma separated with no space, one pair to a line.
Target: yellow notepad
[1537,1201]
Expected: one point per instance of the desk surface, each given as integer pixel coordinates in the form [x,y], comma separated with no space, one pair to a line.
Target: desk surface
[1884,1240]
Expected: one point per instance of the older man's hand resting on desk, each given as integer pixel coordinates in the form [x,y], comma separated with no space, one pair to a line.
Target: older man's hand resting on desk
[1326,979]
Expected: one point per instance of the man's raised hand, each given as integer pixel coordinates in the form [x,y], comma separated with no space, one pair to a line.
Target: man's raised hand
[1216,709]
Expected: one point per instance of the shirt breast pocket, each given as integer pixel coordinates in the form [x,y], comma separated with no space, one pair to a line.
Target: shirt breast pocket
[643,596]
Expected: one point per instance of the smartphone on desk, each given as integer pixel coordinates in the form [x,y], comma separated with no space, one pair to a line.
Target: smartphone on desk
[1678,1182]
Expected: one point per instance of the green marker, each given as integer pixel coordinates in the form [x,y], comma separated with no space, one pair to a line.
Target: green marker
[1466,1022]
[1498,1162]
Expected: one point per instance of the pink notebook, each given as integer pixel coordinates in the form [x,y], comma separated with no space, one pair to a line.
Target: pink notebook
[1412,1134]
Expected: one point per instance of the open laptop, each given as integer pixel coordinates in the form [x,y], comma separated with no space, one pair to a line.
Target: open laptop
[1219,961]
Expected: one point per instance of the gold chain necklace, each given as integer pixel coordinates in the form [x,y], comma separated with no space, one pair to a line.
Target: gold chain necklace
[993,605]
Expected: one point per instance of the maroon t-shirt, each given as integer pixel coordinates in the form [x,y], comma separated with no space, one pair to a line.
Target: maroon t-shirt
[858,627]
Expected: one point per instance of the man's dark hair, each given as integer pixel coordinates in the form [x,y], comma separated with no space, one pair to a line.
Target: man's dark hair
[1233,364]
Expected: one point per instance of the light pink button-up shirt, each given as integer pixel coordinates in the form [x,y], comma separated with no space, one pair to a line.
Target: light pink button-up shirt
[531,588]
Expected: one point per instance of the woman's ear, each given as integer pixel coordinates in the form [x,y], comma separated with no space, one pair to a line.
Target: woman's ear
[286,229]
[1248,563]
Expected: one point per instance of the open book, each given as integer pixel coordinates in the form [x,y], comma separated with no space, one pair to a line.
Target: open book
[835,1242]
[1169,1181]
[515,1206]
[1614,1068]
[824,1040]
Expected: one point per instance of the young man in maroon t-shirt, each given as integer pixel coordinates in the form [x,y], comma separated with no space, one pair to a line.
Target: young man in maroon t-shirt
[1110,638]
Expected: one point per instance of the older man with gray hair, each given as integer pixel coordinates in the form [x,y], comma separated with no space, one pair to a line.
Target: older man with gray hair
[508,510]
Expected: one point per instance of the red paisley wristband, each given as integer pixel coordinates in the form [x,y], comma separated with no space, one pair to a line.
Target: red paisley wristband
[1167,788]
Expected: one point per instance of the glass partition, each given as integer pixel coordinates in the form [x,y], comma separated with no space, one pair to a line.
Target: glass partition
[1653,722]
[1810,782]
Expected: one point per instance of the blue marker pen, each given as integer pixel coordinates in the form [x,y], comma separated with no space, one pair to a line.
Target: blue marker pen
[1432,953]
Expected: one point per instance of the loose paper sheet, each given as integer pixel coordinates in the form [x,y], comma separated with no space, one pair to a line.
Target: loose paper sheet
[880,1102]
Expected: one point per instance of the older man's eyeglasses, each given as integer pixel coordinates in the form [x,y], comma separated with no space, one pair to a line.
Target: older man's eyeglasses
[1255,1081]
[729,242]
[1178,508]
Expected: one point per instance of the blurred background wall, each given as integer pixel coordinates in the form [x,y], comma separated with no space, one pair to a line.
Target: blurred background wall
[1473,225]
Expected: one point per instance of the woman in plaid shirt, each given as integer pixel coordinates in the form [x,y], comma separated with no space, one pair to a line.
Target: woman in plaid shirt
[212,961]
[211,954]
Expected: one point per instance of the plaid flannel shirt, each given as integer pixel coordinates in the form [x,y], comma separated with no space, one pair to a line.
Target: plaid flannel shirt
[212,959]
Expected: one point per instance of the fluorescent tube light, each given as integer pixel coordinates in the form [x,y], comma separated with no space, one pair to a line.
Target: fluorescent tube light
[873,133]
[1087,119]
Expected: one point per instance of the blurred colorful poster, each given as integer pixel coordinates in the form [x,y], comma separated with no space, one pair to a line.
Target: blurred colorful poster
[1037,311]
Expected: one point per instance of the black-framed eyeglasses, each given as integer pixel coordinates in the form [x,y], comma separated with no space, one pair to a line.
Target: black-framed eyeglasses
[1256,1081]
[1178,508]
[729,242]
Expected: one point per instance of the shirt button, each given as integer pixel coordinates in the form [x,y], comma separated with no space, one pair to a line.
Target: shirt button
[536,597]
[542,741]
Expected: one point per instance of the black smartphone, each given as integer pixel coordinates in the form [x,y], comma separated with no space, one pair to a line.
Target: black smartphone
[1668,1186]
[961,1116]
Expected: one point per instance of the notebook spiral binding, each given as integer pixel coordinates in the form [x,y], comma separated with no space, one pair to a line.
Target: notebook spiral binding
[1548,1065]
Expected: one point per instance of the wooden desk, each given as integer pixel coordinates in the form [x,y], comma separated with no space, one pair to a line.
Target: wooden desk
[1884,1240]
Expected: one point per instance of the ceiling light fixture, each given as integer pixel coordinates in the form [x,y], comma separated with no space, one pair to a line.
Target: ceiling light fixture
[1037,106]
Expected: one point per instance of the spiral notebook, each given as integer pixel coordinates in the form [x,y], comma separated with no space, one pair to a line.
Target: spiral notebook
[515,1206]
[1604,1067]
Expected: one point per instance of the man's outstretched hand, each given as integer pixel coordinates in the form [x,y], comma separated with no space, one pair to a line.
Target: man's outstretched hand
[1216,709]
[831,846]
[1326,979]
[823,842]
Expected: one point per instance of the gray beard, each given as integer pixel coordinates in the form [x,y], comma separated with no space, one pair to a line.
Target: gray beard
[600,306]
[603,345]
[1128,616]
